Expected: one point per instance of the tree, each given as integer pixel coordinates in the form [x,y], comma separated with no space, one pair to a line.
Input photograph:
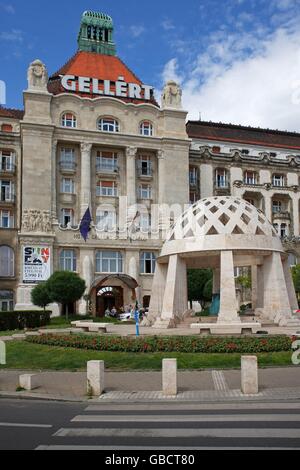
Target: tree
[40,296]
[65,288]
[208,291]
[197,280]
[296,278]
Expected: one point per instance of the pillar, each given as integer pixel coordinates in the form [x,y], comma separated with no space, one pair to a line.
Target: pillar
[131,176]
[276,300]
[296,216]
[53,184]
[254,287]
[249,375]
[161,176]
[216,280]
[95,378]
[268,208]
[259,287]
[87,274]
[228,303]
[175,301]
[157,294]
[169,377]
[85,177]
[290,285]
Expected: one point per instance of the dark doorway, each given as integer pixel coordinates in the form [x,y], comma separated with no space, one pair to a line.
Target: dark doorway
[107,298]
[146,301]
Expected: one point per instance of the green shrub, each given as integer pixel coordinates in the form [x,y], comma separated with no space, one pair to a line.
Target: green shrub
[10,321]
[185,344]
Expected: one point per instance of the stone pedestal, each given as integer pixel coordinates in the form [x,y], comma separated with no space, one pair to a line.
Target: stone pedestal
[95,378]
[169,377]
[29,382]
[249,375]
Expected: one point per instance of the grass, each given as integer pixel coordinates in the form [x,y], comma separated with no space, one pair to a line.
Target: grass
[27,356]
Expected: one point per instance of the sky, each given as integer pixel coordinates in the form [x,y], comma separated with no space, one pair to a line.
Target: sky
[238,61]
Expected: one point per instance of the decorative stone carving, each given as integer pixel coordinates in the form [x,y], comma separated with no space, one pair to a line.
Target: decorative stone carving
[131,152]
[36,221]
[37,76]
[172,95]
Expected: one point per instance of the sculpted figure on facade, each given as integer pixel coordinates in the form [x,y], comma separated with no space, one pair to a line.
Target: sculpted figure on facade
[37,76]
[172,95]
[36,221]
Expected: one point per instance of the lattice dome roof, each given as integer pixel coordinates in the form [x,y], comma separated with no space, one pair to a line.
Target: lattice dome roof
[221,216]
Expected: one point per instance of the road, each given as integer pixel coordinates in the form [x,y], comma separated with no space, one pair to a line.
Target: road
[44,425]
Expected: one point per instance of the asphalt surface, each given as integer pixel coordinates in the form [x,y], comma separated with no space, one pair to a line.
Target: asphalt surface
[42,425]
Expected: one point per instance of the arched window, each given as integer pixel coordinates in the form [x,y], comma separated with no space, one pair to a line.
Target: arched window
[69,120]
[108,125]
[68,260]
[109,262]
[148,263]
[146,129]
[7,262]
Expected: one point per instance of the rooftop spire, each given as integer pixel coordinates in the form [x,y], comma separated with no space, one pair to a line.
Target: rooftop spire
[96,33]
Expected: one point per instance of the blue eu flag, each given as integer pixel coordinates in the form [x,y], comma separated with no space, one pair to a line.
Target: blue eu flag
[85,225]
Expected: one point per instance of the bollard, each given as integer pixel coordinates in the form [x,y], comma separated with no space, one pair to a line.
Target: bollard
[95,378]
[29,382]
[169,379]
[2,353]
[249,375]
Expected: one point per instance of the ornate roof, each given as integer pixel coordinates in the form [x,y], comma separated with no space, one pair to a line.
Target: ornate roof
[221,216]
[11,113]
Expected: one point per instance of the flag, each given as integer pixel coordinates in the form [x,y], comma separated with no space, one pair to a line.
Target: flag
[85,225]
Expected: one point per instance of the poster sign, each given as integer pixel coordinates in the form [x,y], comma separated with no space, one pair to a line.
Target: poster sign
[36,264]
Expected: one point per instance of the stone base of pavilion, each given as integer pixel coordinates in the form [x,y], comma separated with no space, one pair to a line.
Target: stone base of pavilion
[233,328]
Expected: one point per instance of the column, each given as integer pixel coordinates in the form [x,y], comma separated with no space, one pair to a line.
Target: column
[131,153]
[161,176]
[228,303]
[290,285]
[268,207]
[53,181]
[254,287]
[260,288]
[216,280]
[175,302]
[276,300]
[157,293]
[296,216]
[87,274]
[85,177]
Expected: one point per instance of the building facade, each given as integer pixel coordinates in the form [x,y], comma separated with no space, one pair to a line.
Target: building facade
[92,136]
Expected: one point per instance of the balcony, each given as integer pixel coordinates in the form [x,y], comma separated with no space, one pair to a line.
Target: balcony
[68,167]
[222,189]
[281,215]
[104,169]
[67,198]
[8,169]
[145,173]
[7,199]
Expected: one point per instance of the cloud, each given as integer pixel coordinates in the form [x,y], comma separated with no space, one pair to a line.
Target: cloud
[15,35]
[8,8]
[137,30]
[167,24]
[170,72]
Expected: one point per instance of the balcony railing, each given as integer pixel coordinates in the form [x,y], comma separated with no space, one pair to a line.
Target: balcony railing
[67,166]
[145,172]
[281,214]
[7,198]
[107,168]
[8,169]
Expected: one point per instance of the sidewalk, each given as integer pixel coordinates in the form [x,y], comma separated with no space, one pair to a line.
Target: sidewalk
[277,383]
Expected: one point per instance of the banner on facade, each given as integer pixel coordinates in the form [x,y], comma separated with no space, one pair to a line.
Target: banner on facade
[36,264]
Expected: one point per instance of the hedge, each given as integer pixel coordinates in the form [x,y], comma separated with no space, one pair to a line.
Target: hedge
[18,320]
[184,344]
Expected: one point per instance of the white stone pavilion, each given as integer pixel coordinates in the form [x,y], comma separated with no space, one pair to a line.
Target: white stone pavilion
[222,233]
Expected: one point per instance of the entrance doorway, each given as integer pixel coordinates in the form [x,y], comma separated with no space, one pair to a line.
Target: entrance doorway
[107,298]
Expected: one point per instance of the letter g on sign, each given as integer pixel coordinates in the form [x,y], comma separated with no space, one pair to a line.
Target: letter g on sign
[296,354]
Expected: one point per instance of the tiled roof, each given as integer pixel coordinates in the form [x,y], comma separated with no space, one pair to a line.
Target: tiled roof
[11,113]
[243,135]
[94,65]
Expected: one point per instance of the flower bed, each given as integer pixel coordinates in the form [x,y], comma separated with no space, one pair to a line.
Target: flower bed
[183,344]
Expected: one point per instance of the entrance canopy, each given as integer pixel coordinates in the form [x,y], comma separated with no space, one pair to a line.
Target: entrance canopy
[127,280]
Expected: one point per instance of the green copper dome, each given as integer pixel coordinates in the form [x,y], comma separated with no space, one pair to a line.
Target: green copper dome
[96,33]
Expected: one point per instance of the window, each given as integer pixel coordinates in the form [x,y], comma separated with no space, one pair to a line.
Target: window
[145,222]
[67,217]
[6,219]
[145,166]
[283,230]
[106,221]
[146,129]
[221,179]
[107,161]
[193,176]
[69,120]
[292,260]
[278,180]
[148,263]
[67,186]
[250,177]
[67,158]
[193,197]
[7,160]
[68,260]
[108,125]
[145,191]
[6,301]
[7,262]
[109,262]
[6,128]
[6,191]
[107,189]
[276,207]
